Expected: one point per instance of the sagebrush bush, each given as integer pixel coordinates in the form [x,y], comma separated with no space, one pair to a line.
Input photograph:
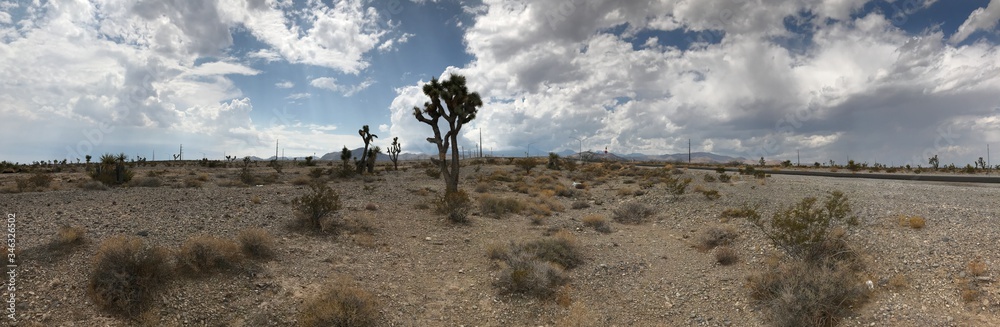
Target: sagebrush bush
[561,248]
[204,254]
[256,243]
[127,275]
[497,207]
[799,293]
[341,304]
[523,274]
[632,213]
[146,181]
[315,207]
[455,206]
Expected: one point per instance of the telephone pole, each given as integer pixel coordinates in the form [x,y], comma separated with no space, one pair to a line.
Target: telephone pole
[689,151]
[275,149]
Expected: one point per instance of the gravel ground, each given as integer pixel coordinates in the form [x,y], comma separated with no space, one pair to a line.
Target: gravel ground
[427,272]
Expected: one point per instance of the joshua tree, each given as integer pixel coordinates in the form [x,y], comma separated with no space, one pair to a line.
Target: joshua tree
[762,162]
[345,156]
[933,161]
[372,155]
[367,137]
[554,161]
[452,101]
[394,153]
[88,157]
[981,163]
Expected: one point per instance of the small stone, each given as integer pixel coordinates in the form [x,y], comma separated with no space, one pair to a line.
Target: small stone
[143,233]
[427,238]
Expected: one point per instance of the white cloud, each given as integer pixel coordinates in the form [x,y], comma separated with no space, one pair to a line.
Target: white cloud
[330,83]
[982,19]
[298,96]
[383,128]
[284,85]
[550,74]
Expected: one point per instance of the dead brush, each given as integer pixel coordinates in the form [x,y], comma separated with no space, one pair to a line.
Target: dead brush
[497,207]
[725,255]
[598,222]
[632,213]
[203,254]
[340,303]
[256,243]
[715,236]
[68,236]
[127,275]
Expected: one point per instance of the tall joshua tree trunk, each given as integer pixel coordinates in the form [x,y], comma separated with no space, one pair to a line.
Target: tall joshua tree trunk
[451,100]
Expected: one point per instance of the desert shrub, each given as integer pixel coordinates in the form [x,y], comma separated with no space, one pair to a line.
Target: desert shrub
[192,182]
[498,207]
[433,172]
[94,186]
[316,172]
[126,275]
[455,206]
[676,186]
[340,304]
[625,191]
[561,248]
[977,267]
[482,187]
[709,178]
[802,230]
[725,255]
[371,207]
[580,204]
[204,254]
[313,208]
[111,170]
[744,211]
[716,236]
[256,243]
[915,222]
[146,182]
[798,293]
[632,213]
[708,193]
[526,164]
[302,180]
[724,178]
[598,222]
[523,274]
[69,236]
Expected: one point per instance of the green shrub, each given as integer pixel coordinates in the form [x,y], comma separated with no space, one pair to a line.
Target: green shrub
[801,230]
[111,170]
[315,207]
[127,275]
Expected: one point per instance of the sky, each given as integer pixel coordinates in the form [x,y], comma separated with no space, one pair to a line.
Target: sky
[892,82]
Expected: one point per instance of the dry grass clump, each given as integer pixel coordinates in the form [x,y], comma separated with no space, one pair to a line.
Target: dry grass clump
[598,222]
[127,275]
[255,199]
[497,207]
[580,204]
[256,243]
[799,293]
[716,236]
[977,267]
[899,281]
[708,193]
[340,303]
[536,268]
[725,255]
[302,180]
[205,254]
[632,213]
[147,181]
[915,222]
[561,249]
[93,185]
[69,236]
[371,207]
[625,191]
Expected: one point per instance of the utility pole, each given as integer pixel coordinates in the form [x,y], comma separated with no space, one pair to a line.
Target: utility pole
[689,151]
[988,158]
[480,142]
[180,153]
[275,150]
[798,159]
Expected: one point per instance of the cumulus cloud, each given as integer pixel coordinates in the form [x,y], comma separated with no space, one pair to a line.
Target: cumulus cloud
[982,19]
[552,73]
[284,85]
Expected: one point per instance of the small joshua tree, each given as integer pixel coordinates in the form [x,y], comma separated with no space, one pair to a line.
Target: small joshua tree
[345,157]
[394,150]
[451,100]
[112,170]
[934,162]
[88,157]
[981,163]
[370,159]
[554,161]
[367,137]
